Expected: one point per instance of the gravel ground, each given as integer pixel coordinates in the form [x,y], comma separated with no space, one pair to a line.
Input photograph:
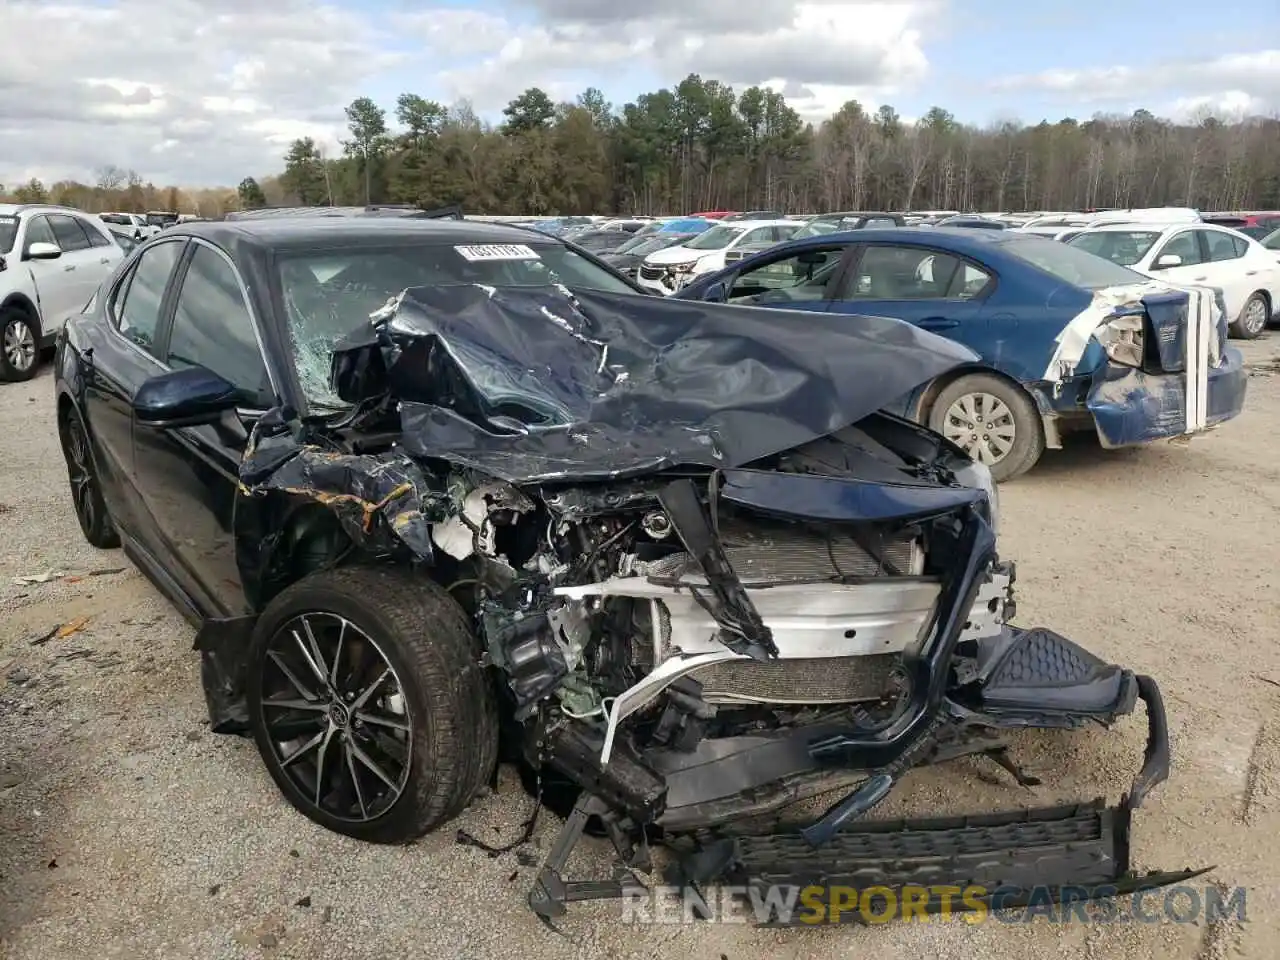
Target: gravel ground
[128,830]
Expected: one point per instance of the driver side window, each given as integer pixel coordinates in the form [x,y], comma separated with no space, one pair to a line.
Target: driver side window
[801,276]
[1184,245]
[213,328]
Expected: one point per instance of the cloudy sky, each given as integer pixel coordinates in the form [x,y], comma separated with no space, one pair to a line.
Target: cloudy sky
[199,92]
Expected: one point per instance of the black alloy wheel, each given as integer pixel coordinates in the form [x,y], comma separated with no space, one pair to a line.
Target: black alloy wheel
[369,702]
[86,492]
[334,711]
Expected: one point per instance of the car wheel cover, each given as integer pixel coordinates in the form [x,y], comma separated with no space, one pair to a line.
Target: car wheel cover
[1255,315]
[334,712]
[19,344]
[982,425]
[84,494]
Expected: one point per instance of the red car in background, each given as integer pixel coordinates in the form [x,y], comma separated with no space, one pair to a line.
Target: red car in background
[713,214]
[1256,224]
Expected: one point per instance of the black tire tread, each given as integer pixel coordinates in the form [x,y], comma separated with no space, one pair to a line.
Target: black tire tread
[7,372]
[103,533]
[431,633]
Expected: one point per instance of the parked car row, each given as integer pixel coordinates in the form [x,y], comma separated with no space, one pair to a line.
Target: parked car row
[1065,339]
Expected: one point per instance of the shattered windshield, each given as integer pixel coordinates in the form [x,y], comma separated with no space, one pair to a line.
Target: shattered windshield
[8,233]
[329,293]
[1125,247]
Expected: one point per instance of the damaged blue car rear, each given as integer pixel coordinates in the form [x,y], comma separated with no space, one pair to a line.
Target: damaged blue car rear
[1067,341]
[673,558]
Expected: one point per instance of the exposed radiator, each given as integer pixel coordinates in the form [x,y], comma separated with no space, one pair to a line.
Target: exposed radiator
[793,556]
[820,680]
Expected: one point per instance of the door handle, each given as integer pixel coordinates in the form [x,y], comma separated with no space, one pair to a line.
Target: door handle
[938,323]
[1198,279]
[69,268]
[1250,273]
[105,260]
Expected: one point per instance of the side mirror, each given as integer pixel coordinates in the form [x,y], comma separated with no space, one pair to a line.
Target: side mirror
[40,250]
[1166,260]
[184,398]
[716,293]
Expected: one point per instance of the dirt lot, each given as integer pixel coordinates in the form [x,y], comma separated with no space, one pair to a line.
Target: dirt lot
[128,830]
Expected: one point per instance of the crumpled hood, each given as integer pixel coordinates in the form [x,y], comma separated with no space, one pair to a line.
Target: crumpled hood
[542,384]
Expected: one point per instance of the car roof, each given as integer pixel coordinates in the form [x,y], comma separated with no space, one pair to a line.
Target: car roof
[963,239]
[1153,226]
[274,233]
[13,209]
[751,224]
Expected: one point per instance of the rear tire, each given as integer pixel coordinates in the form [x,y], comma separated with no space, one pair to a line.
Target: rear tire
[445,746]
[86,488]
[1253,319]
[993,420]
[19,345]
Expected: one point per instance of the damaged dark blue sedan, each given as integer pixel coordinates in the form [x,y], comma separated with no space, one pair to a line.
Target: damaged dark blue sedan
[1065,340]
[431,489]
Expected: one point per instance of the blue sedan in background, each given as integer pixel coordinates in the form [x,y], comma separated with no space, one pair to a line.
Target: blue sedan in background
[1067,340]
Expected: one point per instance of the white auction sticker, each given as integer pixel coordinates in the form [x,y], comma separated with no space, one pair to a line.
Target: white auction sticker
[498,251]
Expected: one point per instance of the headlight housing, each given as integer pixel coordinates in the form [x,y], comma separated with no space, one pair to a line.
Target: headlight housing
[978,476]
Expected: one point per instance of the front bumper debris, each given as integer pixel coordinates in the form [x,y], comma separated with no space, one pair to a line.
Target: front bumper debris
[1072,853]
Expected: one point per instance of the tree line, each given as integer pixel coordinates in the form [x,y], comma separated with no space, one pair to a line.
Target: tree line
[702,146]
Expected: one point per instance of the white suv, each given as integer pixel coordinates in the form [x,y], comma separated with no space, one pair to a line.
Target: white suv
[52,259]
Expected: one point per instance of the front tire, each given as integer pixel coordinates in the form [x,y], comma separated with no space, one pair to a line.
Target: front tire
[368,702]
[994,421]
[19,345]
[1253,317]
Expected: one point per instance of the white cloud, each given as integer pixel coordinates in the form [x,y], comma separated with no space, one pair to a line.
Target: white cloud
[208,91]
[183,91]
[1233,83]
[826,51]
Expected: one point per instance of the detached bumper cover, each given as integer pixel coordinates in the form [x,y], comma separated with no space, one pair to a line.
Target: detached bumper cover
[1070,853]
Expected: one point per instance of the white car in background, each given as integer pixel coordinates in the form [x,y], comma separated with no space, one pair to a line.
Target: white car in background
[52,260]
[134,223]
[666,271]
[1197,254]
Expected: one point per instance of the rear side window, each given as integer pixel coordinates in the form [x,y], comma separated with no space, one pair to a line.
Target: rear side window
[875,222]
[140,299]
[70,235]
[915,273]
[97,236]
[1221,246]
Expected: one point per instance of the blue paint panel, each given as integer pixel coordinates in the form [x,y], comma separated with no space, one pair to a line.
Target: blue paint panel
[1168,313]
[1131,407]
[840,499]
